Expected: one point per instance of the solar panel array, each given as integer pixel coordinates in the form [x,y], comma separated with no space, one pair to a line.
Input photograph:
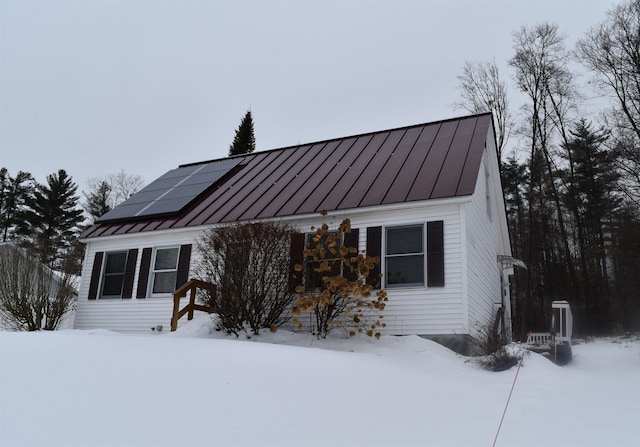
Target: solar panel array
[172,192]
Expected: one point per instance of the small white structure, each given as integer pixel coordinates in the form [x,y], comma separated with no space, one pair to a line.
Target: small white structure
[556,342]
[426,199]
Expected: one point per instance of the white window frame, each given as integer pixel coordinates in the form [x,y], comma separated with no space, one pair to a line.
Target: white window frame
[103,274]
[423,253]
[153,271]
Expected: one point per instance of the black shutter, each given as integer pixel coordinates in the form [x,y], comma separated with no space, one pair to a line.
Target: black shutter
[374,249]
[143,277]
[296,256]
[129,273]
[95,275]
[184,257]
[435,254]
[351,240]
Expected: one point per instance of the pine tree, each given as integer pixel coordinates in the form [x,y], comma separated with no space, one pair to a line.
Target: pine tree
[53,217]
[98,200]
[244,142]
[592,199]
[14,192]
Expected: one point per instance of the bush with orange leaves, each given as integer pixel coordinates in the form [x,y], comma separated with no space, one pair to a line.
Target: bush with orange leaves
[343,298]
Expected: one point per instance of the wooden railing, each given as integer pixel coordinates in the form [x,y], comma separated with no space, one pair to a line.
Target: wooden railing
[191,286]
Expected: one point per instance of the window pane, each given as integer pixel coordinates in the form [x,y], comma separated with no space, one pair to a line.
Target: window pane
[166,259]
[164,282]
[115,262]
[314,279]
[405,270]
[112,285]
[404,240]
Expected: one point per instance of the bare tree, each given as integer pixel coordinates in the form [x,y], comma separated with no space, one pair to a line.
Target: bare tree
[105,193]
[541,74]
[611,51]
[483,90]
[32,297]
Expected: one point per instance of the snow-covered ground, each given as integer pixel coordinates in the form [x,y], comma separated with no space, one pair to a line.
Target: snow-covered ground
[196,387]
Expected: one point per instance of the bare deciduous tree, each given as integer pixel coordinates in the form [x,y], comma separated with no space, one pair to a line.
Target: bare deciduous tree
[611,50]
[32,297]
[105,193]
[482,90]
[541,74]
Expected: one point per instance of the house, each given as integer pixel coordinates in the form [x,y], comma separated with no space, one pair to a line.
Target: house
[426,198]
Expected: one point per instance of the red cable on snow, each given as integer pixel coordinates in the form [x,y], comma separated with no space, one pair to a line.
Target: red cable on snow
[510,393]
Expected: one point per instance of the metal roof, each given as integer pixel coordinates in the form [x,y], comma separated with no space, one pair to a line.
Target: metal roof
[421,162]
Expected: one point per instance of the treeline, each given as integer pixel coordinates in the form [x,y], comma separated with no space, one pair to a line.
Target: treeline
[47,218]
[571,184]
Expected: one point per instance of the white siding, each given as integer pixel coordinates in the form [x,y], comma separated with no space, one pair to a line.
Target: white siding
[129,315]
[486,235]
[422,310]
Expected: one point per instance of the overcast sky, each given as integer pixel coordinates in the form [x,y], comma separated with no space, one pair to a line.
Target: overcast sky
[95,87]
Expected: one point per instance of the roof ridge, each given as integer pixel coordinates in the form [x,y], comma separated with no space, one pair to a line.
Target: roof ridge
[313,143]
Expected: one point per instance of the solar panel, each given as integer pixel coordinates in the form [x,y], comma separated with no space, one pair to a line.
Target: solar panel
[171,192]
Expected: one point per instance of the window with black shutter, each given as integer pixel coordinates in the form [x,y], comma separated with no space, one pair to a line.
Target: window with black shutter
[404,256]
[296,257]
[312,275]
[374,250]
[407,259]
[308,276]
[435,254]
[143,276]
[113,274]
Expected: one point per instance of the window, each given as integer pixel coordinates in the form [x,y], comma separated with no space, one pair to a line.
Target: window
[164,271]
[404,256]
[113,274]
[313,278]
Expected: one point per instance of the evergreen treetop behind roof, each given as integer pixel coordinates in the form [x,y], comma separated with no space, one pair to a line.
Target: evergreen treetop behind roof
[244,142]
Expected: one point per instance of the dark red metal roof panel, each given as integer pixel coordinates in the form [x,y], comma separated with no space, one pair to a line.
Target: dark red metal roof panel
[376,166]
[469,175]
[449,175]
[399,189]
[344,187]
[273,181]
[307,180]
[392,166]
[432,163]
[314,178]
[295,177]
[324,182]
[433,160]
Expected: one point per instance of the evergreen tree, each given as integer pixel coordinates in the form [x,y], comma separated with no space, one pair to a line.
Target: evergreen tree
[98,200]
[593,201]
[53,218]
[244,142]
[14,193]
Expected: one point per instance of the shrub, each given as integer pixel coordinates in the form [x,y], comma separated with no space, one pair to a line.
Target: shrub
[343,299]
[32,297]
[502,359]
[494,353]
[249,263]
